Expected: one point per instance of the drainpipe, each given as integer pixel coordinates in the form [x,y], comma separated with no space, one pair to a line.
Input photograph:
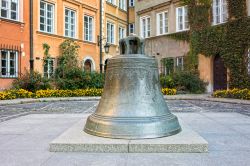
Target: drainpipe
[100,38]
[127,17]
[31,37]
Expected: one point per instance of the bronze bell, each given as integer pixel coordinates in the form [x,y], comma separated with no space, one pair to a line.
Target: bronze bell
[132,105]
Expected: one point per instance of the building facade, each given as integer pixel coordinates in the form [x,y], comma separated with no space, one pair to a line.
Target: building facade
[56,20]
[118,15]
[156,20]
[14,40]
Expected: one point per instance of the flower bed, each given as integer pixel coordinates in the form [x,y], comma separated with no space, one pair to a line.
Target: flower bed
[167,91]
[233,93]
[21,93]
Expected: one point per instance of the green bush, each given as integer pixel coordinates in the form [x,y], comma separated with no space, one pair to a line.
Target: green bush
[189,82]
[167,82]
[31,81]
[93,80]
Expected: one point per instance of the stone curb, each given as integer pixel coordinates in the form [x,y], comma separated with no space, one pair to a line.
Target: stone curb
[205,97]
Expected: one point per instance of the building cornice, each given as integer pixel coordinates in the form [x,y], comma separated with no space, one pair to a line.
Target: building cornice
[111,16]
[156,7]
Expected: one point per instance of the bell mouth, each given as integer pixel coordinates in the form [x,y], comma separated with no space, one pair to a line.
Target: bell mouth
[132,128]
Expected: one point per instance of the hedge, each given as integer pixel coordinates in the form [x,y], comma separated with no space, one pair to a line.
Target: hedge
[21,93]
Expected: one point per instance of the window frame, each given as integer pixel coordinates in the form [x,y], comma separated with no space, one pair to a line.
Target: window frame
[121,31]
[46,19]
[131,3]
[49,74]
[8,68]
[145,33]
[220,15]
[248,61]
[165,23]
[111,36]
[133,24]
[180,65]
[123,5]
[9,10]
[185,21]
[90,29]
[113,2]
[75,23]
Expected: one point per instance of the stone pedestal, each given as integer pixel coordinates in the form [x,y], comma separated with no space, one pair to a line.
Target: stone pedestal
[76,140]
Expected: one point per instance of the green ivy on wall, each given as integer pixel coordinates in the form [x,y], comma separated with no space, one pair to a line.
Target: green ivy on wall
[229,40]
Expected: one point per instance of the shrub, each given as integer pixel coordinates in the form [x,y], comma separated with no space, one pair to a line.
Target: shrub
[233,93]
[31,81]
[190,82]
[167,82]
[93,80]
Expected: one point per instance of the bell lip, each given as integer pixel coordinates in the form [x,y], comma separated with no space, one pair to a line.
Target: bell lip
[132,137]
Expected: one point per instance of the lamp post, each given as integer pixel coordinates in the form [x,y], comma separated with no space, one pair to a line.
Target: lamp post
[106,49]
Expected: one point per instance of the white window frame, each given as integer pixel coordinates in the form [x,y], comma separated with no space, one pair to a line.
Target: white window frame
[164,29]
[131,3]
[180,65]
[89,30]
[248,61]
[8,60]
[112,2]
[123,4]
[132,29]
[145,29]
[46,18]
[9,11]
[122,32]
[184,19]
[220,11]
[70,24]
[110,33]
[49,72]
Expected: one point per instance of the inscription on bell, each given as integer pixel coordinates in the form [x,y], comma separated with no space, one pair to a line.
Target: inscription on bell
[132,105]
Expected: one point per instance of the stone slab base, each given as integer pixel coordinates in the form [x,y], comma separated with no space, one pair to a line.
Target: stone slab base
[76,140]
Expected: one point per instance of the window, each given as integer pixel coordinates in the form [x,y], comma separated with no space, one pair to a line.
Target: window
[122,32]
[9,63]
[179,63]
[162,23]
[220,13]
[88,28]
[46,17]
[131,3]
[182,18]
[48,68]
[167,65]
[131,28]
[110,33]
[122,4]
[112,1]
[145,27]
[88,66]
[70,23]
[9,9]
[248,63]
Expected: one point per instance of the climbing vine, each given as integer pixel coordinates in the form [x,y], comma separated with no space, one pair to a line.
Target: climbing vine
[229,40]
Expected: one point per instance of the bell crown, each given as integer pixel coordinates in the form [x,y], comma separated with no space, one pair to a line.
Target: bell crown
[132,44]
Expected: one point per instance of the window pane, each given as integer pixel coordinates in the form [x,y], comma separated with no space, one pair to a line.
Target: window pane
[4,13]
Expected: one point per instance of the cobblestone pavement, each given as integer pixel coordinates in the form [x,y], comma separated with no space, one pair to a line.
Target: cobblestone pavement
[12,111]
[24,140]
